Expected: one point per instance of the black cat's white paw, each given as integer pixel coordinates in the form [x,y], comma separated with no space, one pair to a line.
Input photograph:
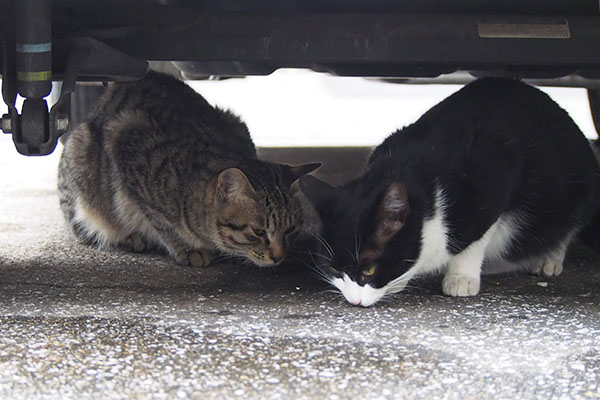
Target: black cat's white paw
[548,267]
[460,285]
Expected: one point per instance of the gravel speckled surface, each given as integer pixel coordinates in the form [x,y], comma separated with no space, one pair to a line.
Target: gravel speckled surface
[81,323]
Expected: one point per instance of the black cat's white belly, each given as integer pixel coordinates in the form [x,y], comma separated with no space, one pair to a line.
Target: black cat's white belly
[462,270]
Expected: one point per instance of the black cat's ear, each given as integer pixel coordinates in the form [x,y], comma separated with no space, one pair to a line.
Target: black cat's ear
[392,213]
[317,192]
[296,172]
[233,183]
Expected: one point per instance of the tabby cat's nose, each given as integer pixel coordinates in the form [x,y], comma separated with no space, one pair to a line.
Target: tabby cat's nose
[277,253]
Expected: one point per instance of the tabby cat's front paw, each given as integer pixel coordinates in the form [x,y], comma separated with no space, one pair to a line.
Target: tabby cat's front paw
[136,243]
[460,285]
[193,258]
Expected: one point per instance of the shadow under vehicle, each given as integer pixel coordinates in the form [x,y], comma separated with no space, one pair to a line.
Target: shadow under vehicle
[545,42]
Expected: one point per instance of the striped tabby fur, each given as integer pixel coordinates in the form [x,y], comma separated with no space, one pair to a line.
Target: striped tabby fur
[156,166]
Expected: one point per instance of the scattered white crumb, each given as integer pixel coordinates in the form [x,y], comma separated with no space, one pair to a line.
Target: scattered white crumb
[542,284]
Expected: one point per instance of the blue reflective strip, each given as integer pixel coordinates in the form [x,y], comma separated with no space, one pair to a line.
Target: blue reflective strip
[34,48]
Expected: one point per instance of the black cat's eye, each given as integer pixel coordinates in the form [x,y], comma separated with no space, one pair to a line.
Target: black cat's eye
[370,271]
[259,232]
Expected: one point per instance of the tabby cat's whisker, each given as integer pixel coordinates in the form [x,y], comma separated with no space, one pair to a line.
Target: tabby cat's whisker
[229,258]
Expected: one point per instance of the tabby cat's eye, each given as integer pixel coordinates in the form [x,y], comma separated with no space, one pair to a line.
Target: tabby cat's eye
[290,230]
[235,227]
[259,232]
[370,271]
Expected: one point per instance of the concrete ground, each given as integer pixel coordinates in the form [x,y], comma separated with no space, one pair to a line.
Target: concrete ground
[76,322]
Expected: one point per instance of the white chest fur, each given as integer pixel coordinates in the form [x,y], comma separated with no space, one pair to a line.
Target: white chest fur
[435,257]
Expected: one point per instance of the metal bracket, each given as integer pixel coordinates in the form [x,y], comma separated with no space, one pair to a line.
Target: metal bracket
[44,128]
[31,61]
[28,67]
[85,57]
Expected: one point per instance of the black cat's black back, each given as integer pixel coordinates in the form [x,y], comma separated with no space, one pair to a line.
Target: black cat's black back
[495,147]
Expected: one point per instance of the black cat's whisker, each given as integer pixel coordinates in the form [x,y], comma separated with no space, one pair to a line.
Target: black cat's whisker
[312,257]
[397,285]
[411,287]
[352,255]
[320,266]
[387,299]
[321,272]
[309,266]
[357,245]
[326,246]
[312,267]
[393,299]
[317,273]
[318,270]
[319,255]
[335,292]
[322,240]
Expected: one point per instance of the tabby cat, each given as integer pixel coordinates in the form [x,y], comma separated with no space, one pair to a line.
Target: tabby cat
[156,166]
[497,177]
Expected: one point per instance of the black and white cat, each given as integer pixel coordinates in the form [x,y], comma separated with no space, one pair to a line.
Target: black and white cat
[497,177]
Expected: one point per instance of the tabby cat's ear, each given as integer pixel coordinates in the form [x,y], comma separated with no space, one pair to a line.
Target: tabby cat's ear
[392,213]
[296,172]
[233,183]
[319,193]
